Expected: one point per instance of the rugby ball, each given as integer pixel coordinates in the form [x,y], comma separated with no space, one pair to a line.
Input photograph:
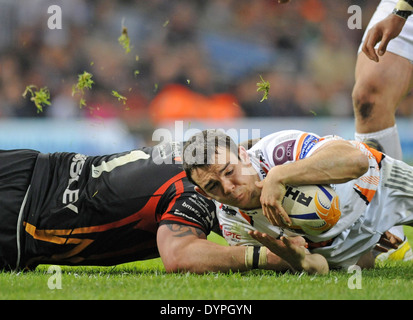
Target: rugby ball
[313,209]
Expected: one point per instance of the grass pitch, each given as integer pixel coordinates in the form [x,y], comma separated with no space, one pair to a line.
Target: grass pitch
[148,281]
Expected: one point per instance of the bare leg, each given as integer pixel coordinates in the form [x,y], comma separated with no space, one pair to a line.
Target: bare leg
[378,90]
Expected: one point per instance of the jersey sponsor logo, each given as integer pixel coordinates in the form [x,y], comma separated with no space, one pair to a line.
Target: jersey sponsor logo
[228,210]
[283,152]
[71,193]
[179,213]
[117,162]
[185,205]
[202,211]
[231,234]
[200,203]
[308,143]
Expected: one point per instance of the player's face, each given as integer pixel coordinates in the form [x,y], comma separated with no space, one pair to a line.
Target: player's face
[229,180]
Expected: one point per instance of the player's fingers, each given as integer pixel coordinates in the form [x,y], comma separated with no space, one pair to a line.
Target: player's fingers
[390,240]
[270,214]
[266,210]
[368,46]
[292,245]
[255,234]
[393,238]
[380,248]
[389,243]
[276,246]
[298,241]
[287,242]
[371,54]
[263,238]
[285,217]
[383,46]
[268,238]
[364,47]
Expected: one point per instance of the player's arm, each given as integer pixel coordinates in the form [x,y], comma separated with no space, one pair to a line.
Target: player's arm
[387,29]
[337,161]
[185,248]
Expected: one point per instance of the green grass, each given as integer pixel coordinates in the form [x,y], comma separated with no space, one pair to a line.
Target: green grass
[148,280]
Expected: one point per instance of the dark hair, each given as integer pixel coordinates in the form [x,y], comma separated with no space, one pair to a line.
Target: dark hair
[199,150]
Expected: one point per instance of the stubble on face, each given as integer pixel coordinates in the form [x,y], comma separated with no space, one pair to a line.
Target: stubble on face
[237,175]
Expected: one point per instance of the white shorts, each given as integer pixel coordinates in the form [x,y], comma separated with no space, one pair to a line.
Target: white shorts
[401,45]
[392,205]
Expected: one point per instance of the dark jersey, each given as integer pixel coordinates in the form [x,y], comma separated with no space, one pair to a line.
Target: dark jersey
[106,210]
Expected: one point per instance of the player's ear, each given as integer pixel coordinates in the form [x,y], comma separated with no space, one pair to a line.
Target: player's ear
[202,192]
[243,154]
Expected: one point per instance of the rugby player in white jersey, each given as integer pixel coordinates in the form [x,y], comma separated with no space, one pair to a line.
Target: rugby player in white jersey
[375,190]
[384,76]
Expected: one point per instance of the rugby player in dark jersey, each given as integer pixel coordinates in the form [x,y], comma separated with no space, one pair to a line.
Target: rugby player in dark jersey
[72,209]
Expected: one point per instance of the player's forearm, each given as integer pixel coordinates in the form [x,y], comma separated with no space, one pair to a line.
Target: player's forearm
[205,256]
[336,162]
[211,257]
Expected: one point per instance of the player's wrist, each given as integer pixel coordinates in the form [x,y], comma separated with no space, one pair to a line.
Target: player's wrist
[278,175]
[402,14]
[255,257]
[403,9]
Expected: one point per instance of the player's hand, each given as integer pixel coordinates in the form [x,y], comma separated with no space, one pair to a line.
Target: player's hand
[383,31]
[271,202]
[388,240]
[290,249]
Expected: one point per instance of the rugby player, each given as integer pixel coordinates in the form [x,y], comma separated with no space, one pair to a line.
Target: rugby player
[383,81]
[72,209]
[375,190]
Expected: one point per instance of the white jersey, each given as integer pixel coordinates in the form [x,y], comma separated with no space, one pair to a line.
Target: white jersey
[402,45]
[363,218]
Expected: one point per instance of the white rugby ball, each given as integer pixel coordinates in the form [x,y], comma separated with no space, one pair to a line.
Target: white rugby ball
[313,209]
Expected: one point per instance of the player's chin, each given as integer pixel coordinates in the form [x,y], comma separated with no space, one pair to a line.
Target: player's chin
[245,202]
[234,202]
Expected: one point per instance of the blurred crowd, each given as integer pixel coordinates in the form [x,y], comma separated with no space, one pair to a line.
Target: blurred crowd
[188,58]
